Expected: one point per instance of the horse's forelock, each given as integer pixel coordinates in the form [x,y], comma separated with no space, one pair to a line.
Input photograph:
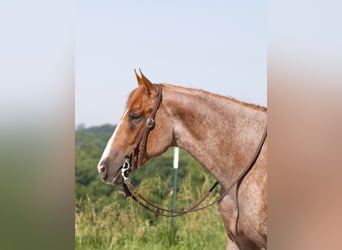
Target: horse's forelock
[132,97]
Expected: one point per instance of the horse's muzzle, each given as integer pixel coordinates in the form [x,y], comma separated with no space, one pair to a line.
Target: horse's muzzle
[109,176]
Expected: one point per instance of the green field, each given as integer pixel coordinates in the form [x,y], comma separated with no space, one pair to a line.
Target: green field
[104,219]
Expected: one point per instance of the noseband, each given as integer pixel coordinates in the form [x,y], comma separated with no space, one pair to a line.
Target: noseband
[140,150]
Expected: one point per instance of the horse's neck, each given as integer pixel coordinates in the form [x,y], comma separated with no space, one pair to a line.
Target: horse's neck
[221,133]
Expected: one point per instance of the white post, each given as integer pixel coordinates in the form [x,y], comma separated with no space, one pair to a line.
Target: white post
[175,167]
[175,157]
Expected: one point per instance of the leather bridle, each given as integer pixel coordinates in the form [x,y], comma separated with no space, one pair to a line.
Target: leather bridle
[140,150]
[140,145]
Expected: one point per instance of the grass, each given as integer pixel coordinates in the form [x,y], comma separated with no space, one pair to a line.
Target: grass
[119,223]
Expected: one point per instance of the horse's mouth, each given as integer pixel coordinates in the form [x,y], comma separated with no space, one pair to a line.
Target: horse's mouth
[121,175]
[118,179]
[111,179]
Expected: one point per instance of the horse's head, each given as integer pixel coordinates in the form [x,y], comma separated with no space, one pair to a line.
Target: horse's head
[128,138]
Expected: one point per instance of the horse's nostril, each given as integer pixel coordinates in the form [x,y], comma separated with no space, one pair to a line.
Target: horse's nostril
[101,169]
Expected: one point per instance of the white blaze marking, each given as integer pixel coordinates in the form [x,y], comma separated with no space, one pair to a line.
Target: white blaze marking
[111,140]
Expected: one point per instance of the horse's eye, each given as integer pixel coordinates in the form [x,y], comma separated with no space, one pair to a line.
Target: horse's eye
[134,117]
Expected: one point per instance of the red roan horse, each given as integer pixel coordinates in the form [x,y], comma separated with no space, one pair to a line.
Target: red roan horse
[221,133]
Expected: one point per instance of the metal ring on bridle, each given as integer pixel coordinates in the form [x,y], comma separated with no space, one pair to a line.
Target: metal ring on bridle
[125,167]
[150,122]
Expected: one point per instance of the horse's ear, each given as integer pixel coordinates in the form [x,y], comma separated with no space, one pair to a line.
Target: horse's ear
[142,80]
[139,78]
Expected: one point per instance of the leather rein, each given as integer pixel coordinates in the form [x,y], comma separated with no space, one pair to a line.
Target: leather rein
[139,151]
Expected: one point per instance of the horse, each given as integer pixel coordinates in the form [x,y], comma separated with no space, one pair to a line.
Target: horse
[220,132]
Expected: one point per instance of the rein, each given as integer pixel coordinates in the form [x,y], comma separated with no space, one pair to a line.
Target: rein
[140,148]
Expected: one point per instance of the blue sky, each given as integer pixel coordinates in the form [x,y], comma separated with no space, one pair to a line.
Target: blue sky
[218,46]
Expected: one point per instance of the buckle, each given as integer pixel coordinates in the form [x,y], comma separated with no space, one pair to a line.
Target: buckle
[150,122]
